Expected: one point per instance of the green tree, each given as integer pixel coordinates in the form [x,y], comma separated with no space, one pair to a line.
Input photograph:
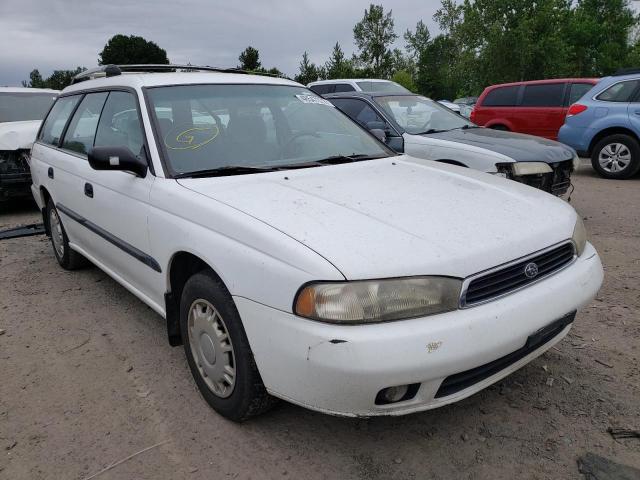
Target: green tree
[374,35]
[418,41]
[600,31]
[131,50]
[405,79]
[58,80]
[308,71]
[338,66]
[250,59]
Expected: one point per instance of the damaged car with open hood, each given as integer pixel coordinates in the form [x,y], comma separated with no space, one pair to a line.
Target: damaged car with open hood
[21,112]
[422,128]
[294,255]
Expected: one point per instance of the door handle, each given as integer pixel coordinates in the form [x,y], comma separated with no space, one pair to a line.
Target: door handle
[50,172]
[88,190]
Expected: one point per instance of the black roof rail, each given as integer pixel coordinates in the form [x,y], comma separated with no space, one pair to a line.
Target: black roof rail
[114,70]
[626,71]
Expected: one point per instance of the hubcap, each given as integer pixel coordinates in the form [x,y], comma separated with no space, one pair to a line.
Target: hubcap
[56,232]
[211,348]
[614,157]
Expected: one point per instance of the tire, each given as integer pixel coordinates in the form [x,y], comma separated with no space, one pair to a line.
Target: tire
[500,127]
[214,339]
[616,157]
[67,258]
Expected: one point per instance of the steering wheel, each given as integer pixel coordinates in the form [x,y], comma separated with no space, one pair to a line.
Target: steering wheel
[294,137]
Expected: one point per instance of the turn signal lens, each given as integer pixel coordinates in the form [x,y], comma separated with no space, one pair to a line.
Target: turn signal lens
[378,300]
[579,236]
[575,109]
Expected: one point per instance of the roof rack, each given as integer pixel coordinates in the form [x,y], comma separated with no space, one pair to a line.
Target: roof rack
[626,71]
[114,70]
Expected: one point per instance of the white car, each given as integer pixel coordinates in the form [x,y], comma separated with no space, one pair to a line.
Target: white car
[324,87]
[294,255]
[422,128]
[21,112]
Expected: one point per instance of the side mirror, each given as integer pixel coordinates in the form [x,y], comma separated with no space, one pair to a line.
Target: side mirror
[117,158]
[379,134]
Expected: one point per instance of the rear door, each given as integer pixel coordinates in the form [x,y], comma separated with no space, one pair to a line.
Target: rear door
[542,109]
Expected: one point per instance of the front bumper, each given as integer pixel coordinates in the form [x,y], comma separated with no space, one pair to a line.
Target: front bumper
[340,369]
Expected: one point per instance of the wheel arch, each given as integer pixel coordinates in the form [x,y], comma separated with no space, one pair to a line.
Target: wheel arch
[45,196]
[610,131]
[182,266]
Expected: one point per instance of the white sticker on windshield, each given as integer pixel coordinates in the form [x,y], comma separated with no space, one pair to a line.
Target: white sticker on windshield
[306,98]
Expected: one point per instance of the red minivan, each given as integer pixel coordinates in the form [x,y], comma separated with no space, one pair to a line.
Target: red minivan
[536,107]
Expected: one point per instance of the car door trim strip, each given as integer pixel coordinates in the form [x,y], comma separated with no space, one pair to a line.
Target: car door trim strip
[121,244]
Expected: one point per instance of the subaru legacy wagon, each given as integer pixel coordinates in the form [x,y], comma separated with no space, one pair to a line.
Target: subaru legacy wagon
[293,254]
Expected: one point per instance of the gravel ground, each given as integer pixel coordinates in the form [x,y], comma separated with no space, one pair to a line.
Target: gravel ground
[87,379]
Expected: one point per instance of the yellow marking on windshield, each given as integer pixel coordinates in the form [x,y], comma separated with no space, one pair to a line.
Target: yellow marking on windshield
[185,139]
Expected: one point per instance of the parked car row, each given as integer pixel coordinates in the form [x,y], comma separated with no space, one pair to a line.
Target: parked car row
[293,254]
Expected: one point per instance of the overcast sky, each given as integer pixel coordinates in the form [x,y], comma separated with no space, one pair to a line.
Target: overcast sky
[63,34]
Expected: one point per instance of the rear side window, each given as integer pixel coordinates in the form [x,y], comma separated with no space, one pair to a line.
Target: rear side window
[502,97]
[82,129]
[57,119]
[344,87]
[577,91]
[321,89]
[545,95]
[120,124]
[620,92]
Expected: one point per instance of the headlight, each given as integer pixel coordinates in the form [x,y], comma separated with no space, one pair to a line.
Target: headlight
[370,301]
[576,162]
[530,168]
[579,236]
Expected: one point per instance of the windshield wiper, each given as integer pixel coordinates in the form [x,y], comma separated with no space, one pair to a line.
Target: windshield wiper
[226,171]
[337,159]
[431,130]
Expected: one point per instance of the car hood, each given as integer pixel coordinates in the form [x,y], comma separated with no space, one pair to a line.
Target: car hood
[18,135]
[518,146]
[394,217]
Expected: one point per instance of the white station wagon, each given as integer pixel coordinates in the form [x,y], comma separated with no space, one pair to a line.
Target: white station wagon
[296,256]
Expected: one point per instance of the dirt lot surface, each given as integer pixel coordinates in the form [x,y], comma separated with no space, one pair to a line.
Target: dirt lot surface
[87,379]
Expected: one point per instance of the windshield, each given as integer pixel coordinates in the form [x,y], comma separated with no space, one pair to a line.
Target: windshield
[16,107]
[206,127]
[418,115]
[387,87]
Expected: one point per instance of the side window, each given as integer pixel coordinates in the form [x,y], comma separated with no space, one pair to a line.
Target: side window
[120,124]
[321,89]
[344,87]
[577,91]
[360,111]
[544,95]
[502,97]
[57,119]
[620,92]
[82,129]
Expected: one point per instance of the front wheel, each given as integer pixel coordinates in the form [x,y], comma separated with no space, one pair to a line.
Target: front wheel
[218,351]
[616,157]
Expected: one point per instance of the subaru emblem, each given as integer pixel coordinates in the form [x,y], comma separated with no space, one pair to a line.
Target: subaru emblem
[531,270]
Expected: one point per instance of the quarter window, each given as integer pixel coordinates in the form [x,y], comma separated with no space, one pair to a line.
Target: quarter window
[82,129]
[577,91]
[120,124]
[57,119]
[502,97]
[544,95]
[620,92]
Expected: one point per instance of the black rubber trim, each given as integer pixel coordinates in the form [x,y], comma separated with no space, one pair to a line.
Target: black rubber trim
[460,381]
[121,244]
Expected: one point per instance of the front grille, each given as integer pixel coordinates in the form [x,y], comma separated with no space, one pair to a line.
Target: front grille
[512,277]
[463,380]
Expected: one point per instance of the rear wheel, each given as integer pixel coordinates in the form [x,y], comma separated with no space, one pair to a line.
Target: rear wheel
[66,257]
[218,351]
[616,157]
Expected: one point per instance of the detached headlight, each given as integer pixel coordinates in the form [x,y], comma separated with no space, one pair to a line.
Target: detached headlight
[579,236]
[530,168]
[370,301]
[576,162]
